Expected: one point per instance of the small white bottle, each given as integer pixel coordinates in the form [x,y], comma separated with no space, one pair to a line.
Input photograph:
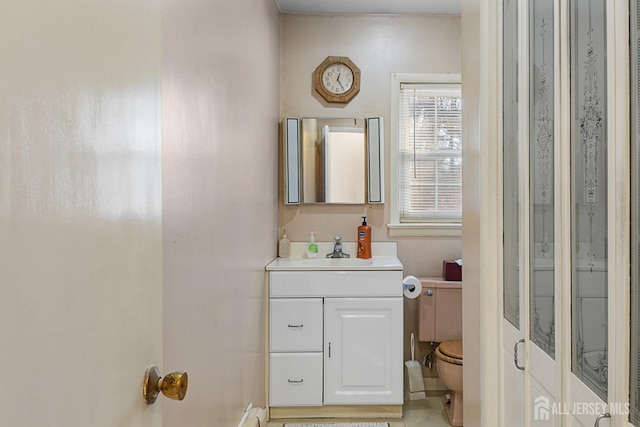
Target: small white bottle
[312,247]
[284,247]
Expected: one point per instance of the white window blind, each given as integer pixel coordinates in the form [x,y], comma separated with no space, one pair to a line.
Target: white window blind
[430,153]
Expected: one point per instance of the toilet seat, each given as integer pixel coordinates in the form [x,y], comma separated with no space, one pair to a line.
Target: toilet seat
[450,351]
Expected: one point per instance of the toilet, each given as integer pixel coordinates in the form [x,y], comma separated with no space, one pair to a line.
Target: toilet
[440,321]
[449,366]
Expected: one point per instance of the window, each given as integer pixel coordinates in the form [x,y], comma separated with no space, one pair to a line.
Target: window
[426,155]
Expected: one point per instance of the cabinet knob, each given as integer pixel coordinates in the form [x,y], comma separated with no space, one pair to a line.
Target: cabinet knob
[296,326]
[295,381]
[429,292]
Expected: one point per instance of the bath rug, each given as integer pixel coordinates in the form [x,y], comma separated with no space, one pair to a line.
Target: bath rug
[365,424]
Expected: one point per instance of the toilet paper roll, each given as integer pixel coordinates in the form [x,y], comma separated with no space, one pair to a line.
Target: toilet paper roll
[412,287]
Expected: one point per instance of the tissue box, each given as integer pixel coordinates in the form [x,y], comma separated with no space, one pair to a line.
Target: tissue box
[451,271]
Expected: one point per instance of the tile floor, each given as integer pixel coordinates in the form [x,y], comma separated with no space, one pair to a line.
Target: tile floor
[417,413]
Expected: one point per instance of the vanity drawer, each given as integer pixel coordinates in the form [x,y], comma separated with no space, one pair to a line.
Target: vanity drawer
[295,379]
[335,284]
[295,324]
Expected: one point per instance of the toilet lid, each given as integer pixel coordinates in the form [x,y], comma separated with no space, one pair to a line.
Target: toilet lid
[451,348]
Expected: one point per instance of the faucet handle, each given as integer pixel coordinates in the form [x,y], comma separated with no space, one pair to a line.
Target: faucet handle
[337,239]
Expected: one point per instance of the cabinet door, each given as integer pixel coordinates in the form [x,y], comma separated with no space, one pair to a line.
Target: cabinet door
[363,351]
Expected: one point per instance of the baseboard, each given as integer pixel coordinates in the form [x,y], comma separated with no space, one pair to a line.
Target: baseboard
[353,411]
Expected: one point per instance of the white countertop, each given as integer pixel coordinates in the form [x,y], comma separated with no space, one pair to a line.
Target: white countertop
[384,258]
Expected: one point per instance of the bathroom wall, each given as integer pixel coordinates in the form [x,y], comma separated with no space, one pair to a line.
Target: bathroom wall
[220,97]
[379,45]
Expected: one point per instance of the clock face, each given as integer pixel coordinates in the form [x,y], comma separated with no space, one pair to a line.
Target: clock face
[337,78]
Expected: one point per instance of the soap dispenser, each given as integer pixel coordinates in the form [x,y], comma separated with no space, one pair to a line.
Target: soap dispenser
[364,239]
[312,247]
[284,247]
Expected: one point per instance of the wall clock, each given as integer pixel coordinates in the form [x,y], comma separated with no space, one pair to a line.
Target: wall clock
[337,79]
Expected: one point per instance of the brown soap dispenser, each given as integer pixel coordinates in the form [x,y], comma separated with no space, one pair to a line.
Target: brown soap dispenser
[364,239]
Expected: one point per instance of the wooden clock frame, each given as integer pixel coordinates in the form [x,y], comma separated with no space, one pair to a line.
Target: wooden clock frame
[342,98]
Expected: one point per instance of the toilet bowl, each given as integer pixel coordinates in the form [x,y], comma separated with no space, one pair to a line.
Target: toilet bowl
[449,366]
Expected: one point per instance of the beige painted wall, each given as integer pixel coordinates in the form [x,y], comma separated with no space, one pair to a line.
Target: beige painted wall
[220,143]
[380,45]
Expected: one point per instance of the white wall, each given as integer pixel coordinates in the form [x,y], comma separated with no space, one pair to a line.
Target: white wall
[220,100]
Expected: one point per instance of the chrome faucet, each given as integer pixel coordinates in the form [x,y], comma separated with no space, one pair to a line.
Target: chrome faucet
[337,249]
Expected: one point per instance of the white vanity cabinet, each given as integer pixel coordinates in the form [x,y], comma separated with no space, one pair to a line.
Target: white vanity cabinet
[334,338]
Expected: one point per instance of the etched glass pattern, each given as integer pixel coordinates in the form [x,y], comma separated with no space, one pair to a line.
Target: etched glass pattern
[589,194]
[541,161]
[510,163]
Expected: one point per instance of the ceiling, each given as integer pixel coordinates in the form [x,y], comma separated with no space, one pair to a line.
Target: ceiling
[429,7]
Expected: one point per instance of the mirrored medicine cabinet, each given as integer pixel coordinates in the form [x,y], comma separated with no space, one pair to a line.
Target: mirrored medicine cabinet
[333,160]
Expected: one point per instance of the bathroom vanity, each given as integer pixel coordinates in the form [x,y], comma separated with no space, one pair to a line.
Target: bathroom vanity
[334,335]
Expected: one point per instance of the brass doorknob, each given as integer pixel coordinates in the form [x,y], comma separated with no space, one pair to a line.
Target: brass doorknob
[173,385]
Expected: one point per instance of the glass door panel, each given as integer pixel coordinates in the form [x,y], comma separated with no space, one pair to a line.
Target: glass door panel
[589,194]
[511,288]
[512,337]
[541,170]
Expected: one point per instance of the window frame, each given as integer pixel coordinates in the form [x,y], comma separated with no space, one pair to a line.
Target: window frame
[436,227]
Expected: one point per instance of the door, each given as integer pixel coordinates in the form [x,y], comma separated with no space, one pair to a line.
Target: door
[363,351]
[529,212]
[512,327]
[541,154]
[80,219]
[561,152]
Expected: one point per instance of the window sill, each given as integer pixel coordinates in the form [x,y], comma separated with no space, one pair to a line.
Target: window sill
[453,229]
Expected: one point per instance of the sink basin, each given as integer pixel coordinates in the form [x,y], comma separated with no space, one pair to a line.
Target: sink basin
[335,262]
[385,258]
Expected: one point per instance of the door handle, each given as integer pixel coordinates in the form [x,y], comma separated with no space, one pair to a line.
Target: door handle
[597,423]
[515,354]
[173,385]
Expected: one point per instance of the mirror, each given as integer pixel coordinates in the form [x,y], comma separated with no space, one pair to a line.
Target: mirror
[333,160]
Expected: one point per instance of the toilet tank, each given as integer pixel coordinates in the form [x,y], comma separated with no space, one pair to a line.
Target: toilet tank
[440,311]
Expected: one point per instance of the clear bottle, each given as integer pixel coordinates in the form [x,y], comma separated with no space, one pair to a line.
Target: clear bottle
[284,246]
[312,247]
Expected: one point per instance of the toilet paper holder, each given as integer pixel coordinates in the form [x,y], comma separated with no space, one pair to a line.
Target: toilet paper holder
[412,288]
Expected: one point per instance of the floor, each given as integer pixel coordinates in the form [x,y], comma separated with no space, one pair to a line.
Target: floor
[417,413]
